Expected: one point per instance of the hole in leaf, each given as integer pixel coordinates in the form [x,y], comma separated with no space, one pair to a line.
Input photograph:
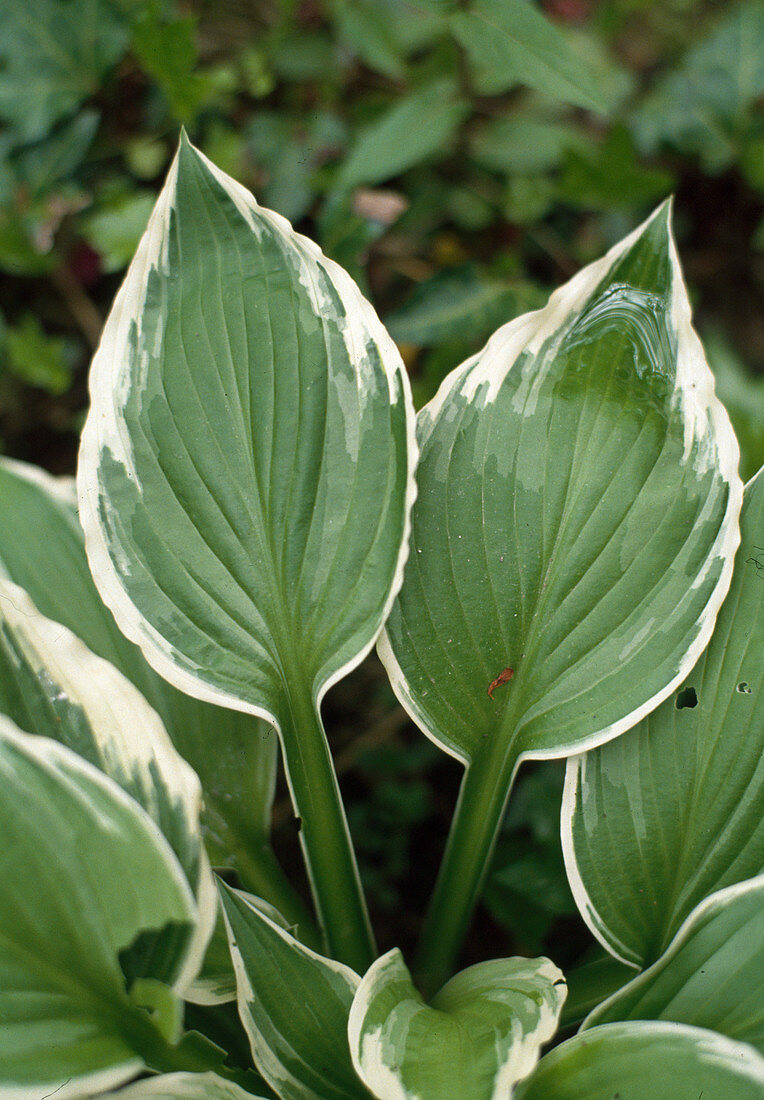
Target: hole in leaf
[687,697]
[744,688]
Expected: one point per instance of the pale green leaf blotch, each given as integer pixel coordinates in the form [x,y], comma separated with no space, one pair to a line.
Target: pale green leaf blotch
[479,1035]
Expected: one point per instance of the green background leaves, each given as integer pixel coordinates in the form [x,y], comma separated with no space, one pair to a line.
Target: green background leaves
[54,55]
[509,42]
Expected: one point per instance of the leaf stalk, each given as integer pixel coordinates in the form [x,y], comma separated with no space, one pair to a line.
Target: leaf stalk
[324,835]
[483,797]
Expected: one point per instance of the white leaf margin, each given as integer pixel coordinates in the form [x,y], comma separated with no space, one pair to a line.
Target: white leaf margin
[575,787]
[185,1086]
[64,765]
[371,1068]
[708,908]
[109,384]
[129,734]
[480,378]
[741,1059]
[267,1063]
[61,488]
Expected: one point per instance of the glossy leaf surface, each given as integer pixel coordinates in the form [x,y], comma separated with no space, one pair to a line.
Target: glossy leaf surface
[478,1036]
[53,686]
[294,1005]
[85,874]
[643,1060]
[710,976]
[42,549]
[576,521]
[671,812]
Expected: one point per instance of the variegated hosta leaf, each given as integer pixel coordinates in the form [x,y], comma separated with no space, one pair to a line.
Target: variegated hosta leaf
[476,1038]
[42,549]
[246,470]
[245,482]
[671,812]
[216,982]
[182,1086]
[646,1060]
[571,544]
[52,685]
[85,874]
[294,1005]
[710,976]
[576,519]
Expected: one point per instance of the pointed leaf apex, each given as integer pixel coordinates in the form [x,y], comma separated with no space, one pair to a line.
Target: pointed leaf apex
[188,156]
[658,228]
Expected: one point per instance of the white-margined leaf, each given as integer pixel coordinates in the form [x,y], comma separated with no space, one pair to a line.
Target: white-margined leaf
[42,549]
[245,469]
[216,982]
[52,685]
[294,1005]
[577,518]
[711,974]
[85,875]
[573,537]
[182,1086]
[671,812]
[479,1035]
[246,477]
[646,1060]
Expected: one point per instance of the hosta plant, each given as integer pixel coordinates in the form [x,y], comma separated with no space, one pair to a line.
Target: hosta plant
[553,561]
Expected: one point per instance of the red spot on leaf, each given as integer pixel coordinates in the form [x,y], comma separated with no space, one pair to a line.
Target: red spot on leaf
[504,677]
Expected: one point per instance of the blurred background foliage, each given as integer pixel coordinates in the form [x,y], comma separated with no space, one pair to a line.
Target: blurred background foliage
[461,159]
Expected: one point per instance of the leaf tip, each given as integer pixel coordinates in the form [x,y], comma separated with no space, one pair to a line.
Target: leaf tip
[187,156]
